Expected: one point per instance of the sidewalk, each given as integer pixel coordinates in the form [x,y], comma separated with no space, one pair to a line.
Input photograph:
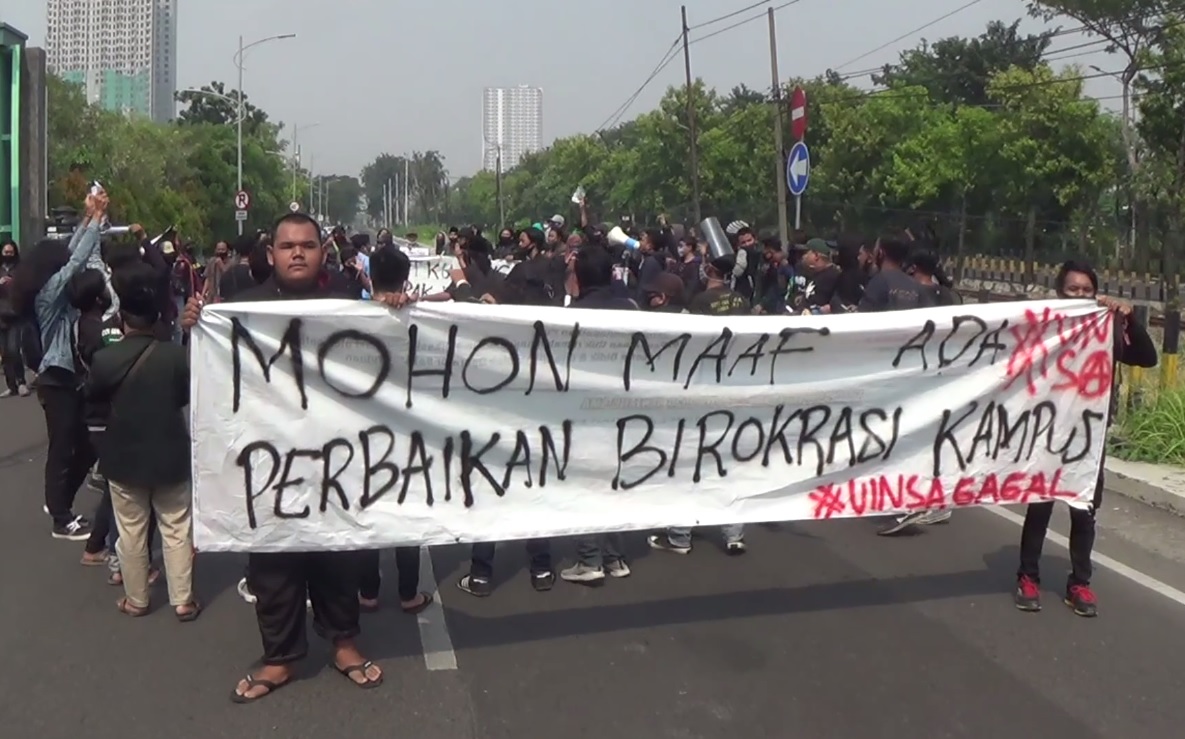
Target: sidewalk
[1157,485]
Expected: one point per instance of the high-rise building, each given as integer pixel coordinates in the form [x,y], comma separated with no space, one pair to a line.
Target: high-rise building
[511,118]
[123,52]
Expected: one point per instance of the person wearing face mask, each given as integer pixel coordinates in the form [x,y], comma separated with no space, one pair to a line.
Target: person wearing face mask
[384,238]
[718,299]
[1134,348]
[506,244]
[745,268]
[538,277]
[923,265]
[12,328]
[778,280]
[688,265]
[215,268]
[665,294]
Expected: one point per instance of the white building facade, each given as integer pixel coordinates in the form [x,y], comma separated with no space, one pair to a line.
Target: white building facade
[123,52]
[512,118]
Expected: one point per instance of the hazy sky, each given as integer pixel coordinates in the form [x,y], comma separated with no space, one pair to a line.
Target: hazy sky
[401,75]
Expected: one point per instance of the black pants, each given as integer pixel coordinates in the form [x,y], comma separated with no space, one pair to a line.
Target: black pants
[1082,532]
[70,455]
[281,582]
[407,562]
[481,565]
[13,342]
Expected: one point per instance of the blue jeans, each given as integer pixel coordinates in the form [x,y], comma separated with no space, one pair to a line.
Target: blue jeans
[680,536]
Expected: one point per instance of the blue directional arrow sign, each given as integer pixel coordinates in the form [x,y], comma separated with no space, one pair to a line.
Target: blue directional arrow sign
[798,169]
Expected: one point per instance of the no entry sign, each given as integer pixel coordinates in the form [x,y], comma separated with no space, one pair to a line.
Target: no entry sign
[798,113]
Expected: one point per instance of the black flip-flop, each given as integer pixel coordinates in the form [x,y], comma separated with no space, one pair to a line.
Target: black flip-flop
[255,682]
[347,673]
[421,607]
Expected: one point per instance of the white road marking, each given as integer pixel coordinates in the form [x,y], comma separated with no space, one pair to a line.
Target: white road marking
[434,636]
[1119,568]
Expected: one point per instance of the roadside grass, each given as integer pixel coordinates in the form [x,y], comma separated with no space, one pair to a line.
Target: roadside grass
[1151,423]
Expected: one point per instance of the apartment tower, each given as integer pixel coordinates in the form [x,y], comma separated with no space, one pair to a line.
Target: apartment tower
[511,118]
[122,52]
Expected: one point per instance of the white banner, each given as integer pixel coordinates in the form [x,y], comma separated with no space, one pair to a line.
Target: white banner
[342,425]
[431,275]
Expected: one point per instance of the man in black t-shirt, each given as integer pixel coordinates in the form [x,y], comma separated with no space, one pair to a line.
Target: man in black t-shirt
[815,279]
[893,289]
[718,299]
[279,581]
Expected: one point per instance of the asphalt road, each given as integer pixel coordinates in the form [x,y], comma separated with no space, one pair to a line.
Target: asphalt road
[823,630]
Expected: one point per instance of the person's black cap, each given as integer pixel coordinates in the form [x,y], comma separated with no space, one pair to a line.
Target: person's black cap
[665,283]
[723,265]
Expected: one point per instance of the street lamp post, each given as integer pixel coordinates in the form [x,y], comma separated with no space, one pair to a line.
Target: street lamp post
[296,156]
[239,93]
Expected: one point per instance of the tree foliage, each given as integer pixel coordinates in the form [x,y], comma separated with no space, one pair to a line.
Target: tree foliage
[980,133]
[427,191]
[164,174]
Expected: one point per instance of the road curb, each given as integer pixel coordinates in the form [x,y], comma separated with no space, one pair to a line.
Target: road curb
[1130,481]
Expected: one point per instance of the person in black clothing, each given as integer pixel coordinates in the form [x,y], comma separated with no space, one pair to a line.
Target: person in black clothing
[237,277]
[13,330]
[389,270]
[533,281]
[281,581]
[849,288]
[717,298]
[1133,347]
[538,278]
[746,263]
[88,294]
[892,288]
[815,279]
[665,294]
[924,266]
[590,278]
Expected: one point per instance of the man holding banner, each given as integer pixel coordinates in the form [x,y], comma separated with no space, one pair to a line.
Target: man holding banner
[282,581]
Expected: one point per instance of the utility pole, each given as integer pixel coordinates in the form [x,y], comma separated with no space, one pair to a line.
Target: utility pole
[691,122]
[779,174]
[387,198]
[406,190]
[239,123]
[311,185]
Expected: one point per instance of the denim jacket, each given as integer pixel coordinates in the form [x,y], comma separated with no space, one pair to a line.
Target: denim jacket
[55,315]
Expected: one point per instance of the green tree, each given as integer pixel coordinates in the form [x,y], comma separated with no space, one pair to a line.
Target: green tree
[215,105]
[343,198]
[958,70]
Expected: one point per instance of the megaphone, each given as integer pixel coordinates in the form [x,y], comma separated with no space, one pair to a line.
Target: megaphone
[617,237]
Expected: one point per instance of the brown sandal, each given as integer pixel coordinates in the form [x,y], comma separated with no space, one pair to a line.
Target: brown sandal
[190,615]
[126,607]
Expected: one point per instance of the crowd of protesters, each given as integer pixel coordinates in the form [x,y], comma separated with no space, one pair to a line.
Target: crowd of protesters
[101,327]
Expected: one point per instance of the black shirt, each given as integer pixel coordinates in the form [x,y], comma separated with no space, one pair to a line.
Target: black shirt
[815,289]
[894,290]
[235,280]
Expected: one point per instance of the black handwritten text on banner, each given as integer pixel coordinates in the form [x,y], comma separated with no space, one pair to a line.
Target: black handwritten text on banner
[339,425]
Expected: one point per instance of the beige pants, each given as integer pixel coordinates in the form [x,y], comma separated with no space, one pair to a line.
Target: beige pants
[173,509]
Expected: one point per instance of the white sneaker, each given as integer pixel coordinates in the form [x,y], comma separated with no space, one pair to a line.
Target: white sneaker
[23,391]
[6,394]
[617,568]
[583,573]
[936,515]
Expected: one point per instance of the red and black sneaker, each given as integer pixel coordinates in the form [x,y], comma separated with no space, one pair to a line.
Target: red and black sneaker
[1081,599]
[1028,595]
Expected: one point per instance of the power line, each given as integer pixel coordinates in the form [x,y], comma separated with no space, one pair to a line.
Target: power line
[733,14]
[672,54]
[662,64]
[738,24]
[934,22]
